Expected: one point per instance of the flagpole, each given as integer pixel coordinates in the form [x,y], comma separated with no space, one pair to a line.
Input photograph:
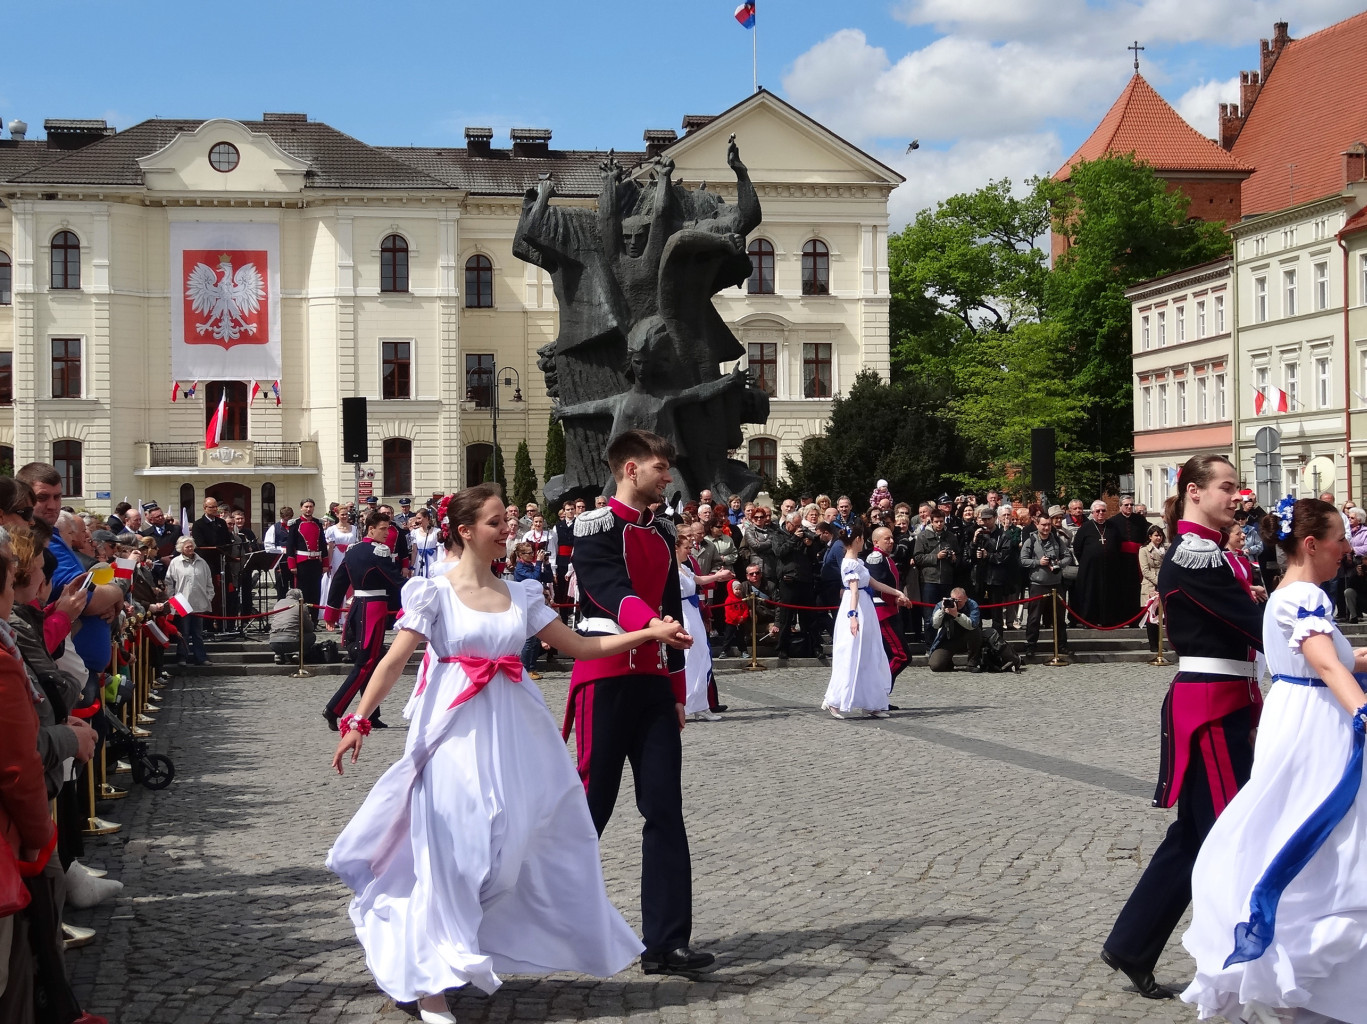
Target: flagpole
[754,54]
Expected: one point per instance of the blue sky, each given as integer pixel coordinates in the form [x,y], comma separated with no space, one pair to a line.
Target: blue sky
[990,87]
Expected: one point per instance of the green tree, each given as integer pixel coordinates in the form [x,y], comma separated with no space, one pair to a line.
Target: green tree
[900,432]
[1122,226]
[524,477]
[555,448]
[491,473]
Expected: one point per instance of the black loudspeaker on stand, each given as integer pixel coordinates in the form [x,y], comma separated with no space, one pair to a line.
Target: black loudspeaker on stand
[1042,459]
[355,447]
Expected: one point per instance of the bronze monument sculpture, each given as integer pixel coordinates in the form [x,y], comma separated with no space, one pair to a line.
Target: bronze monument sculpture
[640,342]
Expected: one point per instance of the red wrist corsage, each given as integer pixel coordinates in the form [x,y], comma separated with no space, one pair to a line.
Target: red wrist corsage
[348,722]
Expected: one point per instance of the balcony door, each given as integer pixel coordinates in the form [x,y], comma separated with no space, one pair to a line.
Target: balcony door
[232,498]
[234,409]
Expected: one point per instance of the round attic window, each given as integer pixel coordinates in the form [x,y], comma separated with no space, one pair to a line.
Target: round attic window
[223,157]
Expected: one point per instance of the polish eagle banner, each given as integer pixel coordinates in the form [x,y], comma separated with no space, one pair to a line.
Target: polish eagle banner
[225,300]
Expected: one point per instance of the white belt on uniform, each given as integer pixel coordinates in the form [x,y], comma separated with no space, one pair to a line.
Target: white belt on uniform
[370,593]
[1218,666]
[600,624]
[309,554]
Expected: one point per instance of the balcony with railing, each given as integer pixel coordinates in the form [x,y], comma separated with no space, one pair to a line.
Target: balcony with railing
[159,458]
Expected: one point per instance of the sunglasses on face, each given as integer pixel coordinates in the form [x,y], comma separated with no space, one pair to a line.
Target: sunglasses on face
[24,513]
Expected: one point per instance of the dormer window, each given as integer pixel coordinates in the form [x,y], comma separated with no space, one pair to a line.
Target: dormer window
[223,157]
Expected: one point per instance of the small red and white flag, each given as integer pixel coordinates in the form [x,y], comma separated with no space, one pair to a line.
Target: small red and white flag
[123,568]
[175,390]
[213,433]
[1259,401]
[256,390]
[1282,401]
[178,605]
[154,631]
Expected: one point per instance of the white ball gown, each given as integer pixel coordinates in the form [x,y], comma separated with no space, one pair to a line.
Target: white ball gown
[698,658]
[860,675]
[1312,955]
[474,854]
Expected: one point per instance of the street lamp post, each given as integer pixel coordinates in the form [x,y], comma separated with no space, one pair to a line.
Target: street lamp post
[508,377]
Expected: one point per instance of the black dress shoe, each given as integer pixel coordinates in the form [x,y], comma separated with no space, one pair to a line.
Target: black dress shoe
[893,707]
[332,720]
[682,961]
[717,709]
[1143,980]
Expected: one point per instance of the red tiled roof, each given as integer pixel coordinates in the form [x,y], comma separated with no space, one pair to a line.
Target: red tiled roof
[1143,123]
[1311,108]
[1355,223]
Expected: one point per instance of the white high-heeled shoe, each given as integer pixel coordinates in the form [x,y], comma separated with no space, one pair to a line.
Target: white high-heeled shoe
[442,1016]
[85,890]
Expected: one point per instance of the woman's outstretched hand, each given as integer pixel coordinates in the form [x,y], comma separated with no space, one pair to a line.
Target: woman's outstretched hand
[351,741]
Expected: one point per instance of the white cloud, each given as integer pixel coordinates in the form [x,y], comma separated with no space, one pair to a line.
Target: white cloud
[935,174]
[1200,105]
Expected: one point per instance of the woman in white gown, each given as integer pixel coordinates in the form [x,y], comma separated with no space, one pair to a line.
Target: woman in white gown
[475,854]
[698,658]
[861,678]
[424,544]
[1279,891]
[339,536]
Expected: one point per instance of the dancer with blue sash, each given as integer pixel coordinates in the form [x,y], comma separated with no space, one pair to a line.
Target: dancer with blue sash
[1279,918]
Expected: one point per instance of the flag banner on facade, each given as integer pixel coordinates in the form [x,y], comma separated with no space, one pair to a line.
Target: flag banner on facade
[225,312]
[190,391]
[213,433]
[256,390]
[745,14]
[1282,401]
[275,388]
[175,390]
[1259,401]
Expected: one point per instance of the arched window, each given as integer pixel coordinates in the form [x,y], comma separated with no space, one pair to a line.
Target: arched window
[267,505]
[66,260]
[761,268]
[187,503]
[477,457]
[234,409]
[816,268]
[764,457]
[479,282]
[66,459]
[398,465]
[394,264]
[6,279]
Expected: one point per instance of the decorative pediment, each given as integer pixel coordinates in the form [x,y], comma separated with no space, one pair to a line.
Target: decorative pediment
[223,155]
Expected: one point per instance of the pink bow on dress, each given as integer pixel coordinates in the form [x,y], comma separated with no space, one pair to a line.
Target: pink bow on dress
[482,671]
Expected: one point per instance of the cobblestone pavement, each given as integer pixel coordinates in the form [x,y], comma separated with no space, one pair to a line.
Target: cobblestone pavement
[961,861]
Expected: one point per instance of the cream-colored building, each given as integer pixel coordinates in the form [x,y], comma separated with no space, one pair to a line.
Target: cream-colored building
[1182,330]
[397,283]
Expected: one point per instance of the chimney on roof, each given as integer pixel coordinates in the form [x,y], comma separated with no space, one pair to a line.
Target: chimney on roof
[1231,123]
[477,141]
[657,140]
[531,141]
[692,122]
[1355,163]
[18,130]
[75,133]
[1271,51]
[1250,84]
[278,116]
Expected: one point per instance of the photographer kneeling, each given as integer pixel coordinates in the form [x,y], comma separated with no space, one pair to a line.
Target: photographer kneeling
[285,634]
[959,628]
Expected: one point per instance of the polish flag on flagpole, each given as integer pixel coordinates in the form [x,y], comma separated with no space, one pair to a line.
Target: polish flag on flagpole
[123,568]
[185,522]
[1259,402]
[179,605]
[214,431]
[175,390]
[1282,401]
[256,390]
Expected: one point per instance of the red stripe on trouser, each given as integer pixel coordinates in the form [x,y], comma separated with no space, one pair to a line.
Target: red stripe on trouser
[376,615]
[1219,770]
[892,643]
[582,700]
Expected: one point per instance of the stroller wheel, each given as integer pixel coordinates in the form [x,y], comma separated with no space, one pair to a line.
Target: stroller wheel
[153,771]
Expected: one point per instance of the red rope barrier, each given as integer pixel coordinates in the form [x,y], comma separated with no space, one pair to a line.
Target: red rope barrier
[1090,625]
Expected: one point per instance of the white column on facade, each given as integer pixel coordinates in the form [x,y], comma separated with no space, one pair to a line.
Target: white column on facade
[868,269]
[26,358]
[450,372]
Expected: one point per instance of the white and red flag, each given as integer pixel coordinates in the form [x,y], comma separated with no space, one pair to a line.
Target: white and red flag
[179,605]
[175,390]
[256,390]
[1259,401]
[1282,401]
[225,312]
[123,568]
[213,433]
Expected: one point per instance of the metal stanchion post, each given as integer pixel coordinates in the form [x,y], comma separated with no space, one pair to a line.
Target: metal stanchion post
[95,826]
[1057,660]
[754,665]
[1158,658]
[302,673]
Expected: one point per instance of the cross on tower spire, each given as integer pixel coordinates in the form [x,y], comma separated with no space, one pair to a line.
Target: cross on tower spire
[1136,48]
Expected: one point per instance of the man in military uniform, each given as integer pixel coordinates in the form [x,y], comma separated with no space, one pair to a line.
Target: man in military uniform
[304,554]
[631,707]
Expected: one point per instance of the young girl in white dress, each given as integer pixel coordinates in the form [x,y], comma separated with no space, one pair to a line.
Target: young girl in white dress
[424,544]
[698,658]
[861,678]
[1279,891]
[475,854]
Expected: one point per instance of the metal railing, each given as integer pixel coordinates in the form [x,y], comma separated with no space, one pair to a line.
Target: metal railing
[175,453]
[278,453]
[258,453]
